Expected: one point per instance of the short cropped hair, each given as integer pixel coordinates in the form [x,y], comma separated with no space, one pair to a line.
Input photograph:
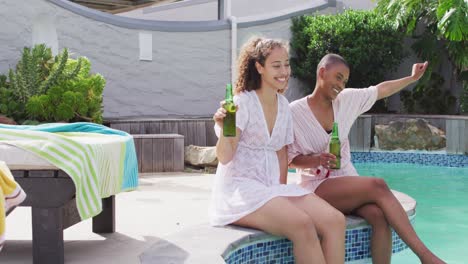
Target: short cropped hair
[331,59]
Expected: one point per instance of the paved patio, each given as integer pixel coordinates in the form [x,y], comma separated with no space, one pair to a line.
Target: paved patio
[163,204]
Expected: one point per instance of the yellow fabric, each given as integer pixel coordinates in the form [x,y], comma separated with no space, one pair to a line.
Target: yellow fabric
[7,187]
[7,182]
[2,214]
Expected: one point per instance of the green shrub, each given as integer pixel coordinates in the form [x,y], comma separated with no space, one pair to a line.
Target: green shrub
[428,98]
[372,46]
[43,88]
[73,99]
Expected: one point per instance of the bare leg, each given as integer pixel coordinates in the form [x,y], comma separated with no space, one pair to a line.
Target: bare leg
[281,217]
[349,193]
[330,224]
[381,240]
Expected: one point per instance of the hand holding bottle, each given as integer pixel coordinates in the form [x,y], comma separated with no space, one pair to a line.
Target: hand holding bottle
[225,116]
[327,160]
[335,146]
[229,121]
[221,113]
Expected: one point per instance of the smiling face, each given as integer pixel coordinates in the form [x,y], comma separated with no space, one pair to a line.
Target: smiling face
[333,79]
[276,71]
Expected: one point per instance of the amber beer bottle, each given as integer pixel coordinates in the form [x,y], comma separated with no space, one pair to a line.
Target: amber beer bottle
[229,123]
[335,145]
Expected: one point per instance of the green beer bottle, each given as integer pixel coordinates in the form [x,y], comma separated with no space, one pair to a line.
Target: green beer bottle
[335,145]
[229,123]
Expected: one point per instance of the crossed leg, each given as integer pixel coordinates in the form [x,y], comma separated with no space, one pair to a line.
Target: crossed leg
[291,217]
[350,193]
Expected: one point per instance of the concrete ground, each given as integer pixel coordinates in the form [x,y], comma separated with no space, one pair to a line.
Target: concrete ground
[163,204]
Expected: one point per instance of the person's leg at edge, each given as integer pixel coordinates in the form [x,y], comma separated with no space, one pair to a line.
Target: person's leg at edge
[349,193]
[381,239]
[330,224]
[279,216]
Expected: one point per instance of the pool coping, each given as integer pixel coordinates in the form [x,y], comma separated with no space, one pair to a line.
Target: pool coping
[352,222]
[207,244]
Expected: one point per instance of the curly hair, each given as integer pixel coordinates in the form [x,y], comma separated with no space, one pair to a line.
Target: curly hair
[255,50]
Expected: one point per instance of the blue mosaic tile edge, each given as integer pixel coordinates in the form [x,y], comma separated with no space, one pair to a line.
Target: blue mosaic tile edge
[279,250]
[442,160]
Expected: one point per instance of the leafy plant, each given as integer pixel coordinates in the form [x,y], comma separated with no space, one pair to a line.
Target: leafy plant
[443,31]
[35,73]
[9,105]
[3,79]
[428,98]
[30,72]
[464,95]
[448,16]
[73,99]
[43,88]
[372,46]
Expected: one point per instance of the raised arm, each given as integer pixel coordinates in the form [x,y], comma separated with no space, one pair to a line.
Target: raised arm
[226,146]
[388,88]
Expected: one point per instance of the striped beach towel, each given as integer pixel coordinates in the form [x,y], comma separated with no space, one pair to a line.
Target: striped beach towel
[101,161]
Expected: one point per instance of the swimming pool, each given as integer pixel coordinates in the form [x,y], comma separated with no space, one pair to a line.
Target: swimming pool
[438,183]
[441,193]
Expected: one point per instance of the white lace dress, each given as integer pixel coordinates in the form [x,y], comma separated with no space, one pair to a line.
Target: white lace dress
[251,178]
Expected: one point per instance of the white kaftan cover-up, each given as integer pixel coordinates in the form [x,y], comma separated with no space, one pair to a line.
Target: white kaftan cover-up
[310,137]
[252,177]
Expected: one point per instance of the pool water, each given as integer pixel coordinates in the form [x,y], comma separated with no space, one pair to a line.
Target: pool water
[441,194]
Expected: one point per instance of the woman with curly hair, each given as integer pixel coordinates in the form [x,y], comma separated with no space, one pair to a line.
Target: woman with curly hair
[250,187]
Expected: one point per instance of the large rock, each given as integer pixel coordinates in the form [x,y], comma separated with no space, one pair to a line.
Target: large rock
[415,134]
[6,120]
[200,156]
